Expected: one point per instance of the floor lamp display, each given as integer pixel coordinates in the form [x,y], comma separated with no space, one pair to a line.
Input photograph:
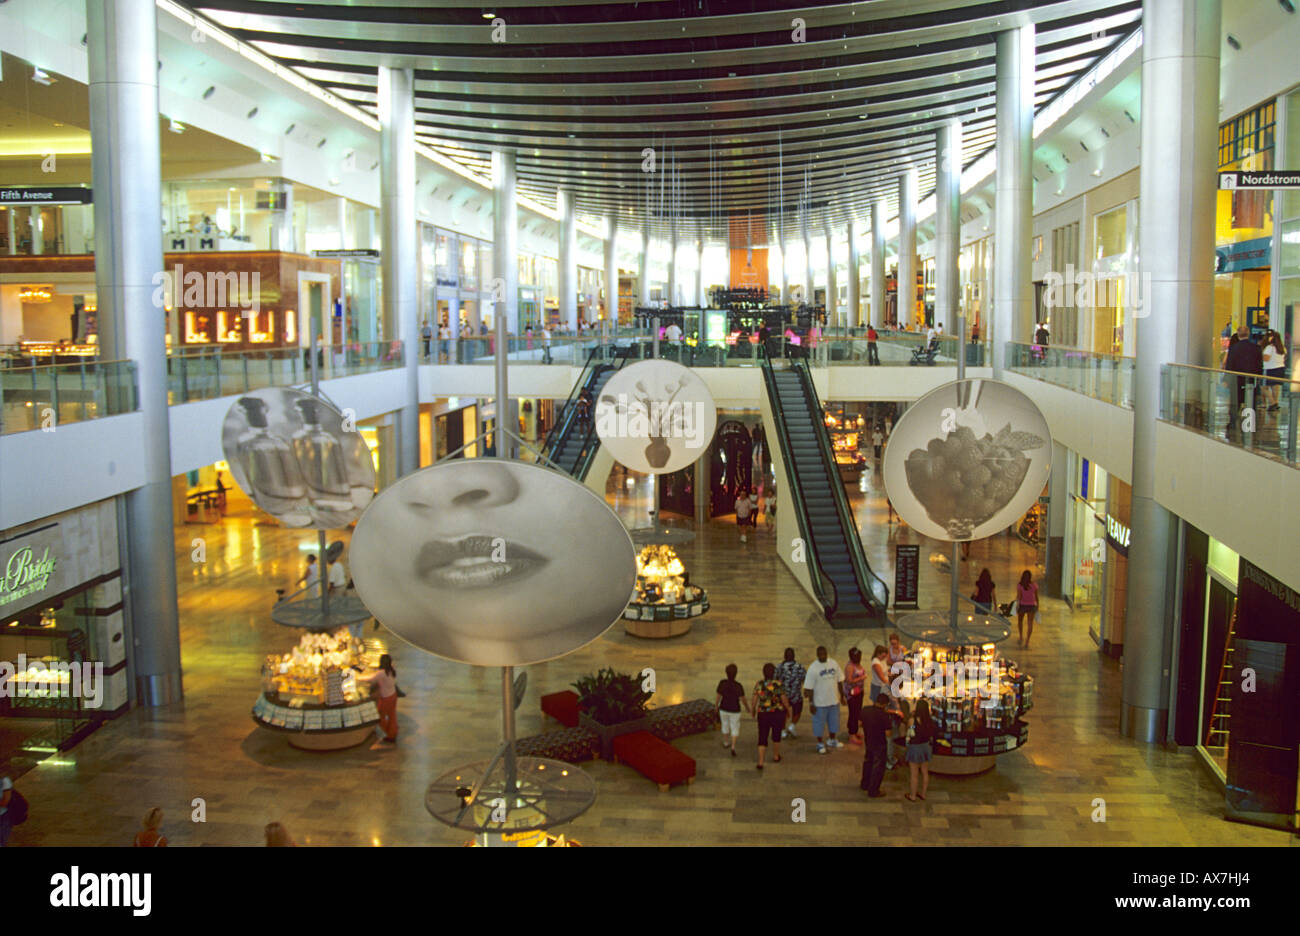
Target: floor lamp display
[657,417]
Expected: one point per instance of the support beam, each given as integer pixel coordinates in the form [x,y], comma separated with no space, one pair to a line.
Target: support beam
[505,239]
[907,247]
[122,55]
[1180,84]
[568,267]
[399,270]
[947,224]
[611,269]
[1013,296]
[878,264]
[853,314]
[643,284]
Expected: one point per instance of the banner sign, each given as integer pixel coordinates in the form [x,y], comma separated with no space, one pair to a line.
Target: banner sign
[1266,179]
[907,572]
[56,195]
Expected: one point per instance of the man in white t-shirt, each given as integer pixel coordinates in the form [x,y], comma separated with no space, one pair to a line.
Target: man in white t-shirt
[931,337]
[311,578]
[822,687]
[338,576]
[673,332]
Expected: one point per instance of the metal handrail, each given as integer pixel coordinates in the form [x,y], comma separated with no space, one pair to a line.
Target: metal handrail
[829,608]
[864,573]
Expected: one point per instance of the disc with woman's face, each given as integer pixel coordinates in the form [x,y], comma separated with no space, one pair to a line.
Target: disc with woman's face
[493,562]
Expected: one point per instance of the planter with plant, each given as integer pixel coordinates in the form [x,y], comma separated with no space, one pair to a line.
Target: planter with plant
[611,704]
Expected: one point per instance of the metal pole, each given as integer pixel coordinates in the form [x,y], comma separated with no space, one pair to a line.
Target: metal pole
[508,727]
[321,560]
[956,547]
[654,337]
[503,398]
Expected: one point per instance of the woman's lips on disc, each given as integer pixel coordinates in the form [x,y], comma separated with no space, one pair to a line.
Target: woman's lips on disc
[475,562]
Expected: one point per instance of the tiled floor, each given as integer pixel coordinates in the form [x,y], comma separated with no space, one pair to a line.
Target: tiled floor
[208,747]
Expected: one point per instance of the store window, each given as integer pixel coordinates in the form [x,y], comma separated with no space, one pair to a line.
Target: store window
[1113,257]
[1220,620]
[1063,319]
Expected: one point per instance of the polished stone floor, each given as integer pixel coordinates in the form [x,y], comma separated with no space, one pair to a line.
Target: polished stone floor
[209,749]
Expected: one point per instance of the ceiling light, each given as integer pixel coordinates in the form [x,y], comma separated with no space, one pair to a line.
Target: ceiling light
[323,141]
[252,113]
[267,157]
[334,181]
[374,165]
[289,129]
[1130,117]
[41,77]
[489,16]
[208,93]
[175,126]
[1096,172]
[1234,42]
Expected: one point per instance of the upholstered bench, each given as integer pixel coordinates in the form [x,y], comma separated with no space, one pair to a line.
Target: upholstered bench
[563,707]
[677,721]
[654,758]
[571,745]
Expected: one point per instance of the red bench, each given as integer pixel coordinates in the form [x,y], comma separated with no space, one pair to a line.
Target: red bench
[653,758]
[563,707]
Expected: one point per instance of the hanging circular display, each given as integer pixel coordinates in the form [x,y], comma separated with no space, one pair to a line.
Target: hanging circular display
[290,453]
[493,562]
[967,460]
[655,416]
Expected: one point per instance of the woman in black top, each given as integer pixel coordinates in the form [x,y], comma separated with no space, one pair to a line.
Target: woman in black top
[985,592]
[920,733]
[731,696]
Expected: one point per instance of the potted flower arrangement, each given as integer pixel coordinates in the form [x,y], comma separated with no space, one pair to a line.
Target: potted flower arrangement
[611,704]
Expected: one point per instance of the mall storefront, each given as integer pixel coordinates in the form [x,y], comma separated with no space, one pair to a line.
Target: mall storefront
[1238,680]
[63,653]
[1094,572]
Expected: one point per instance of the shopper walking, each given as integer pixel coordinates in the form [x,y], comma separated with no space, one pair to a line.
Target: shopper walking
[792,674]
[426,338]
[877,441]
[310,578]
[9,805]
[876,726]
[731,696]
[444,338]
[769,507]
[546,344]
[920,734]
[1026,605]
[383,686]
[753,509]
[855,679]
[149,835]
[771,707]
[1274,359]
[1245,358]
[873,352]
[743,508]
[822,687]
[985,592]
[277,836]
[897,650]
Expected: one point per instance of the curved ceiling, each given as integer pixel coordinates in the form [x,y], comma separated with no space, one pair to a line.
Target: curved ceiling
[775,109]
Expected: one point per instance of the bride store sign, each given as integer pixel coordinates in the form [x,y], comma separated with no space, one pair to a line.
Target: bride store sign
[28,569]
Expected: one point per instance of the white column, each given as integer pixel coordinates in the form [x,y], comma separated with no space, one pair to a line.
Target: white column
[121,58]
[568,269]
[878,264]
[832,291]
[505,241]
[1013,298]
[947,224]
[399,270]
[853,315]
[38,235]
[699,273]
[809,292]
[1180,81]
[907,246]
[611,269]
[673,298]
[643,287]
[785,269]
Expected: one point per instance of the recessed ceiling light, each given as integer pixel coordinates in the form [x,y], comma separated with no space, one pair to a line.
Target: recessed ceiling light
[211,91]
[41,77]
[321,143]
[489,16]
[289,129]
[252,113]
[1234,42]
[175,126]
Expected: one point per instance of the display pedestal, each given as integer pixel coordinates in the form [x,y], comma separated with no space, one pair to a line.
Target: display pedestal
[319,727]
[333,741]
[658,621]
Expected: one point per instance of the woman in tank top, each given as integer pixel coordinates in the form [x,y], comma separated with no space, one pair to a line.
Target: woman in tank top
[1026,605]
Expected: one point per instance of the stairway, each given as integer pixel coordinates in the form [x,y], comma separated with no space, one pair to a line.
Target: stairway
[570,450]
[821,499]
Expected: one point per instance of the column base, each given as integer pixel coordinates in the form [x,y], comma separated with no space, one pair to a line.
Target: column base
[1147,725]
[159,689]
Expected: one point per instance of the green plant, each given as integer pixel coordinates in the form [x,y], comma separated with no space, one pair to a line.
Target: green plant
[611,698]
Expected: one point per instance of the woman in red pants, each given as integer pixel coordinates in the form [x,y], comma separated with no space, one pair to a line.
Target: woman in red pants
[384,687]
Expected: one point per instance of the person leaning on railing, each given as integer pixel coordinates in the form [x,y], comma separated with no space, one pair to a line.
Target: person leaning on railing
[1244,358]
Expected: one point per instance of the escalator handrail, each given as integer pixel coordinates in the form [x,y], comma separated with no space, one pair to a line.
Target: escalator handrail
[588,450]
[864,574]
[829,605]
[555,437]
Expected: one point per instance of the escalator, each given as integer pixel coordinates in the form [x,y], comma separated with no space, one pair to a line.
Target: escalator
[850,593]
[569,446]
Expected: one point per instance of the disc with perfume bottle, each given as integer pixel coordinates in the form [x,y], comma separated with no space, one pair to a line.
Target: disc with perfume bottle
[297,458]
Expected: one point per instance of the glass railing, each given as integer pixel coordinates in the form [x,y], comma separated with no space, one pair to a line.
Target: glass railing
[1105,377]
[52,395]
[1253,412]
[206,374]
[894,349]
